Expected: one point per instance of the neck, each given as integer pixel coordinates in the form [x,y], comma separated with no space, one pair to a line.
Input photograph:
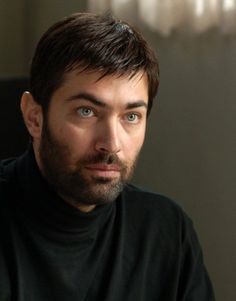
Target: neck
[81,207]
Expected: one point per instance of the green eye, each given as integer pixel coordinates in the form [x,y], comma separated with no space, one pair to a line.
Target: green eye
[85,112]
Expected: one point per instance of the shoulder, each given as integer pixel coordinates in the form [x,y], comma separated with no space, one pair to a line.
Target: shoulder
[152,202]
[155,211]
[7,167]
[159,219]
[132,191]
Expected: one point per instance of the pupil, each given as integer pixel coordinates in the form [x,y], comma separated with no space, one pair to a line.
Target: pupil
[131,117]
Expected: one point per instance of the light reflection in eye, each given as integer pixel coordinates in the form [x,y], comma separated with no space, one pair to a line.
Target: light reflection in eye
[132,118]
[85,112]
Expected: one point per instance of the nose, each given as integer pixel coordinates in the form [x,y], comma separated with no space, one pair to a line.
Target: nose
[108,138]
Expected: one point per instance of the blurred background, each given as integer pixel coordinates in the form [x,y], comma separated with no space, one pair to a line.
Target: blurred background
[190,148]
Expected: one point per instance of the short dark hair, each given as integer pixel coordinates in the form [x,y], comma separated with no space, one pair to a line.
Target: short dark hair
[94,42]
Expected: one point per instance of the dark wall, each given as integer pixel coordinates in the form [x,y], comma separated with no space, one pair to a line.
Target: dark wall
[14,137]
[190,147]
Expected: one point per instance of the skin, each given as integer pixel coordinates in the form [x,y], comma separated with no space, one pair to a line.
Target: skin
[92,116]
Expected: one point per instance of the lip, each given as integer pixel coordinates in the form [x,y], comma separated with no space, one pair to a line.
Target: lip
[103,167]
[104,170]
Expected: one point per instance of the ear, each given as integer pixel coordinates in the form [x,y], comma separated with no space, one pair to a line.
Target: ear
[32,114]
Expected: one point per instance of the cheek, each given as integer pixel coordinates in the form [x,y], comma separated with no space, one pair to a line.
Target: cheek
[76,139]
[133,145]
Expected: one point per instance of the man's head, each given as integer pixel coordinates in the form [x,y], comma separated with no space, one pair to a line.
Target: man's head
[93,80]
[92,42]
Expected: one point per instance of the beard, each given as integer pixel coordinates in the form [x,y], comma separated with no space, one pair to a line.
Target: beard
[74,185]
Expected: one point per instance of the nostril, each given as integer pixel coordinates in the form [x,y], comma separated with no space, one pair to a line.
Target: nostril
[107,148]
[103,149]
[110,160]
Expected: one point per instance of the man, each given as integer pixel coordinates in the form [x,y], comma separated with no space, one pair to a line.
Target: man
[72,228]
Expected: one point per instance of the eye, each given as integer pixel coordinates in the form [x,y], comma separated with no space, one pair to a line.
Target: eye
[85,112]
[132,117]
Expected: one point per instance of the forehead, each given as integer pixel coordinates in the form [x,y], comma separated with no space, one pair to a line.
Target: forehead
[109,85]
[97,77]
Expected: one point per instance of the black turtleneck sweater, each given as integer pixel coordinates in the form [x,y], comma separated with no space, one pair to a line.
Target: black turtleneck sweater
[142,247]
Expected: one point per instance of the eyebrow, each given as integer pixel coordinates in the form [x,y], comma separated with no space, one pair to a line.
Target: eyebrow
[94,100]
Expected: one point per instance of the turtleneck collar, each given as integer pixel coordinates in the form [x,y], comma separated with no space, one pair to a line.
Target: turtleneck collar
[44,207]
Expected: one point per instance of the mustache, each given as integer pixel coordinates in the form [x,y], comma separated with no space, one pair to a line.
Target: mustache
[104,159]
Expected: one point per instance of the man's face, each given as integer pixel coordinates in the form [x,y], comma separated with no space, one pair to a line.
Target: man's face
[92,135]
